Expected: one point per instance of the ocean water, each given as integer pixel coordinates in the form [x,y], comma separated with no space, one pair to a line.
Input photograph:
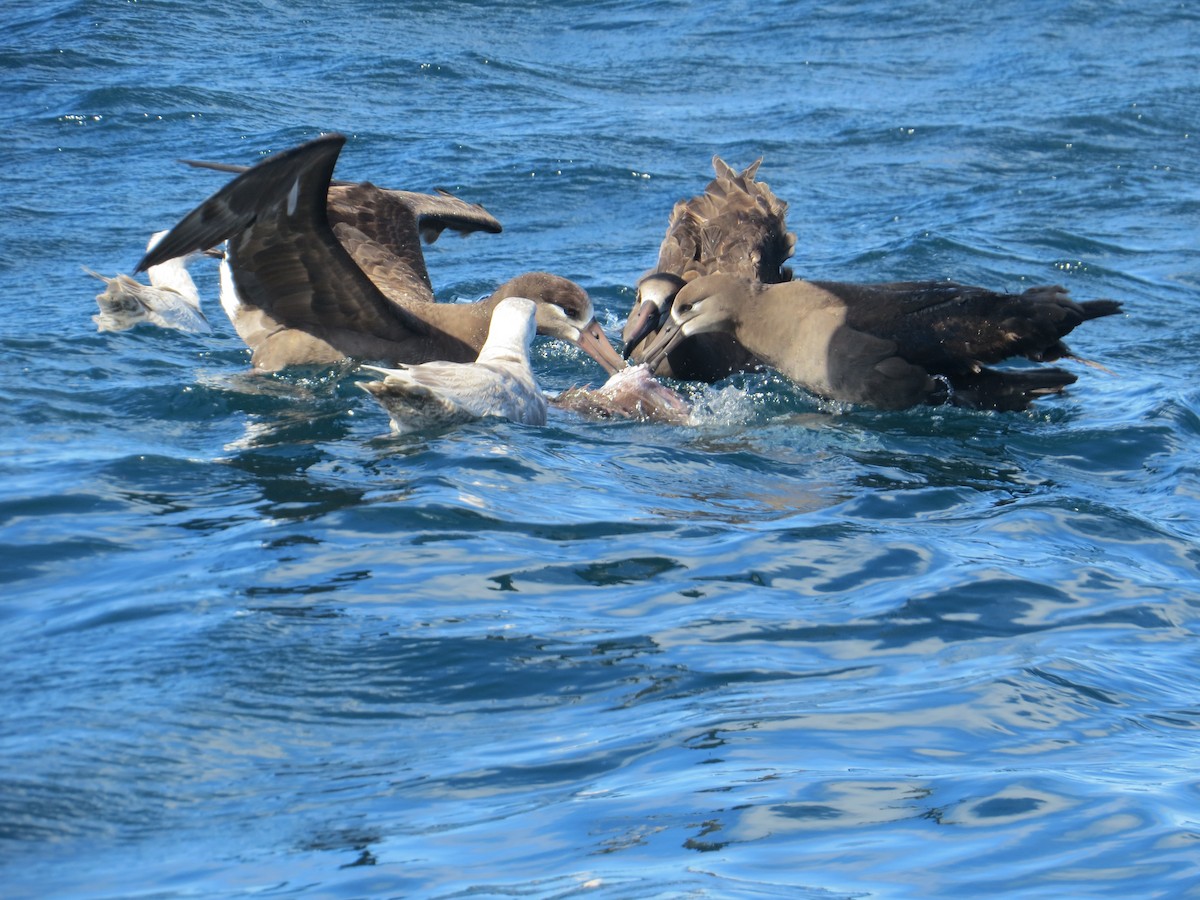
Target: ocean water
[253,645]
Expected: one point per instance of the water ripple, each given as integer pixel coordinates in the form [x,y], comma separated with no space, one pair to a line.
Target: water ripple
[254,643]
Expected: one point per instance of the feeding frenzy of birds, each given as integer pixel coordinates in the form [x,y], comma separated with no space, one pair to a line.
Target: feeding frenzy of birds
[317,271]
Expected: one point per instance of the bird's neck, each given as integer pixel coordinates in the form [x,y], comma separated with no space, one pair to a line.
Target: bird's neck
[787,326]
[465,322]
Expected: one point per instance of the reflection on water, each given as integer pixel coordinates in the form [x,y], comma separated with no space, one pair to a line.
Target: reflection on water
[820,645]
[253,644]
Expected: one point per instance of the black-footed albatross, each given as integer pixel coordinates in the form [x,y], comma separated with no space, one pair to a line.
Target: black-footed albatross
[738,227]
[300,296]
[382,229]
[891,346]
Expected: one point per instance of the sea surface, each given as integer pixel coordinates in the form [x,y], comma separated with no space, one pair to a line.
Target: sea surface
[253,645]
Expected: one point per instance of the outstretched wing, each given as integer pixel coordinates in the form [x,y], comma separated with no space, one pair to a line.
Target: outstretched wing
[282,250]
[382,229]
[737,227]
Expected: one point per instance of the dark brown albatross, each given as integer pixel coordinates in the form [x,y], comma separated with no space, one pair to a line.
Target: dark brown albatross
[891,346]
[314,286]
[736,227]
[382,229]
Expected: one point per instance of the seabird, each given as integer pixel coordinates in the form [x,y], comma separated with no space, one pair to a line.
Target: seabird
[169,301]
[890,346]
[738,227]
[498,383]
[299,296]
[382,229]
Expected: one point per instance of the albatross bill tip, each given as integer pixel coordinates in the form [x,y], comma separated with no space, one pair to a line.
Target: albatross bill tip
[668,337]
[643,321]
[595,343]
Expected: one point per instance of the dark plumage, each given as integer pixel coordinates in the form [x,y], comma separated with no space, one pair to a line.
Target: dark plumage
[891,345]
[319,275]
[382,229]
[736,227]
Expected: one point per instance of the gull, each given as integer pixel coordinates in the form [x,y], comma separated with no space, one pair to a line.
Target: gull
[169,301]
[498,383]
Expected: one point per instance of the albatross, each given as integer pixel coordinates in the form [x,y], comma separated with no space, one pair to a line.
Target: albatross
[312,287]
[498,383]
[736,227]
[382,229]
[891,346]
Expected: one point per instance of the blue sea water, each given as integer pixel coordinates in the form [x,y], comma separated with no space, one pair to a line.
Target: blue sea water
[253,645]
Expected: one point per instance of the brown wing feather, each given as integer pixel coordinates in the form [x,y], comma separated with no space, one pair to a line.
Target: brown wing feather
[946,326]
[284,255]
[737,226]
[382,230]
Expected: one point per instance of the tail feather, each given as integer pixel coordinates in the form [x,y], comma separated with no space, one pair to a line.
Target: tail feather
[1095,309]
[1007,390]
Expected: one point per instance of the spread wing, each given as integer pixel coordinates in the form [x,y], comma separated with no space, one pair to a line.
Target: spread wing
[737,227]
[382,229]
[285,257]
